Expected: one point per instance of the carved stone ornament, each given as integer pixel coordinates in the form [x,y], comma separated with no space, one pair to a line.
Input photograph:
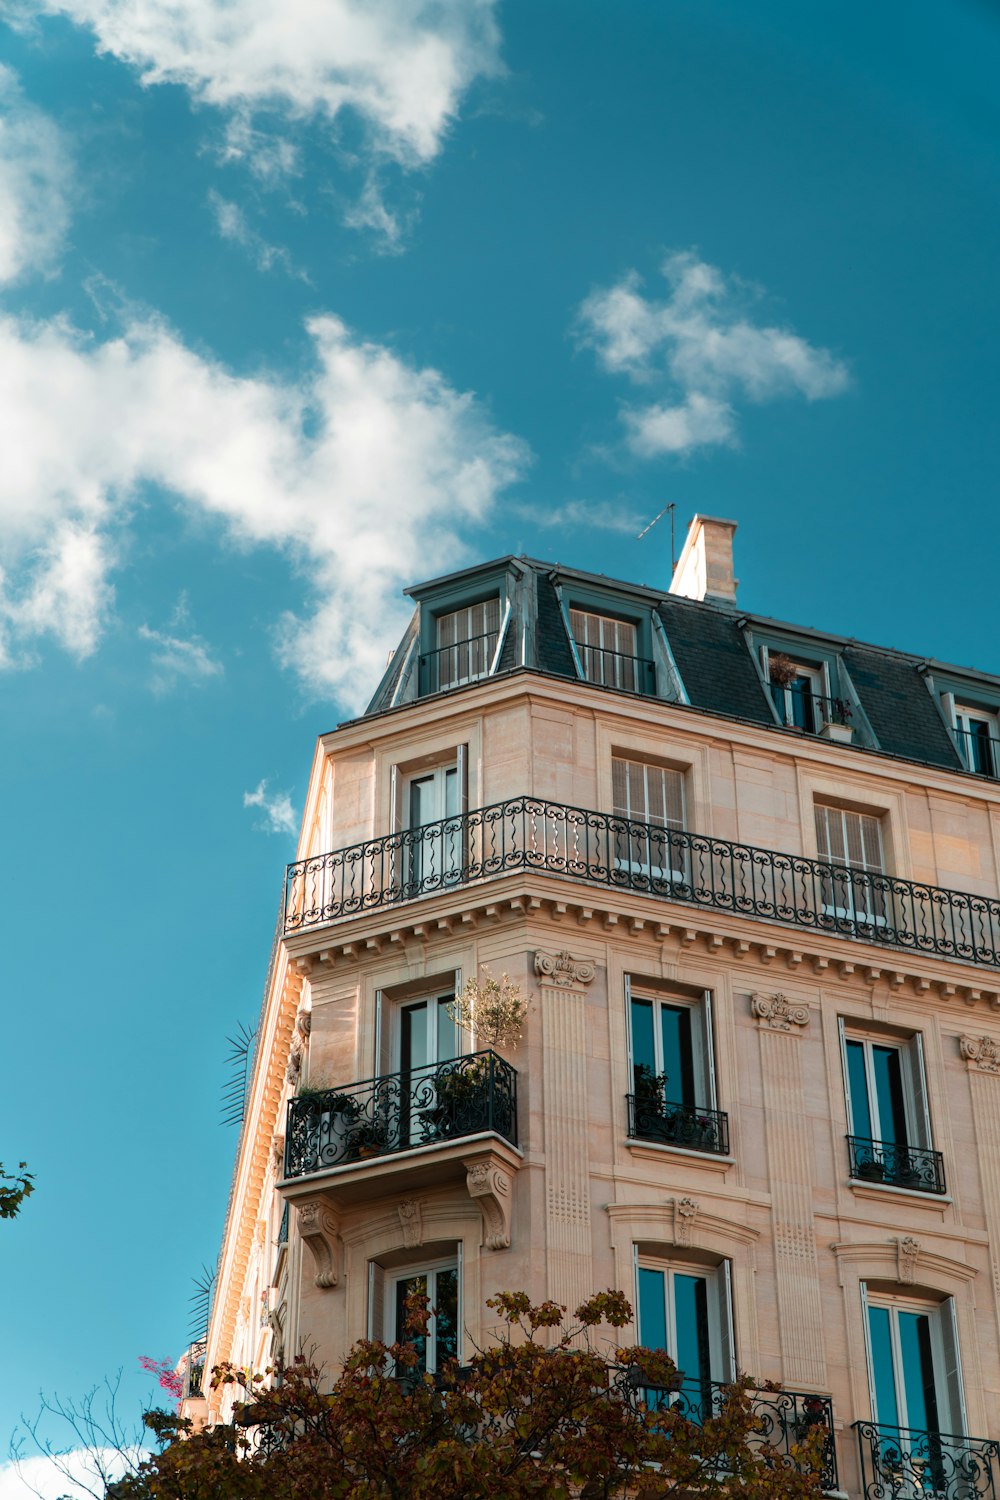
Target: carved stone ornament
[563,969]
[278,1152]
[303,1023]
[489,1185]
[320,1229]
[907,1251]
[981,1053]
[409,1218]
[685,1213]
[294,1067]
[779,1013]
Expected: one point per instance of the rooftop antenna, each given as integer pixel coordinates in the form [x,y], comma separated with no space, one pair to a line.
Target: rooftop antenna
[673,549]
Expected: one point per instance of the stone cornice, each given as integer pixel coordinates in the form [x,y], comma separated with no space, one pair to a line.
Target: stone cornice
[601,913]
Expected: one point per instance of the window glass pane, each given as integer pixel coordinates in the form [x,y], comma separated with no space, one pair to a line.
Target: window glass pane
[889,1093]
[446,1317]
[643,1043]
[447,1031]
[883,1377]
[412,1285]
[917,1365]
[803,713]
[652,1309]
[861,1116]
[691,1321]
[678,1064]
[414,1051]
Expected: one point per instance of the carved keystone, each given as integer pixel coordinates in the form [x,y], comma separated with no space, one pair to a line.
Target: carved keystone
[320,1229]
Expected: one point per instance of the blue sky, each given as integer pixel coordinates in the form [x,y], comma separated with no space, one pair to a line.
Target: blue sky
[299,304]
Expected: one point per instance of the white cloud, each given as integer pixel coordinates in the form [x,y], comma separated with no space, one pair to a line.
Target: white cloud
[371,212]
[402,66]
[356,472]
[700,345]
[277,808]
[588,515]
[176,659]
[34,184]
[68,1476]
[232,224]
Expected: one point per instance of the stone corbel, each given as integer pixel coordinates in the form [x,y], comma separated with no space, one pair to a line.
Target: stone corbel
[981,1053]
[490,1183]
[778,1013]
[320,1229]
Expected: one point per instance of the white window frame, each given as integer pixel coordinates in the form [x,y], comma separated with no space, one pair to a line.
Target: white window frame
[609,673]
[916,1106]
[719,1282]
[430,1269]
[471,625]
[852,912]
[818,674]
[963,717]
[702,1034]
[676,873]
[945,1357]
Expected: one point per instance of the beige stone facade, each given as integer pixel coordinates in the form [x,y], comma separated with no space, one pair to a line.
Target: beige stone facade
[576,1201]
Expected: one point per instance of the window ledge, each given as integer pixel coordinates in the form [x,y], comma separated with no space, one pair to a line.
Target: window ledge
[653,1150]
[876,1190]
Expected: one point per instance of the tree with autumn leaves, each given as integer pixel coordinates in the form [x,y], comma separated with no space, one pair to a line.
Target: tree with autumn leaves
[546,1411]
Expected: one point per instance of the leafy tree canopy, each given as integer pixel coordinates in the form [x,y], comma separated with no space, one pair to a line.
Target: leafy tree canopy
[543,1412]
[14,1188]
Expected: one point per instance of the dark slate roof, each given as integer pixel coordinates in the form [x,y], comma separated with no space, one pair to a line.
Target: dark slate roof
[900,710]
[712,658]
[554,654]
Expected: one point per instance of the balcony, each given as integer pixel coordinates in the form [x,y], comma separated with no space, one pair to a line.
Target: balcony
[599,849]
[616,669]
[896,1165]
[651,1118]
[899,1463]
[461,662]
[401,1112]
[783,1419]
[813,713]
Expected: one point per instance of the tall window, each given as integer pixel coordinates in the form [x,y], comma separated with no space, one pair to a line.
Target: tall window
[387,1294]
[888,1114]
[914,1368]
[673,1077]
[654,797]
[978,739]
[466,644]
[608,650]
[852,841]
[688,1312]
[436,840]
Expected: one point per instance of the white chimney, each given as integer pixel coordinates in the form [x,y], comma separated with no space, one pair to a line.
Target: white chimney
[705,567]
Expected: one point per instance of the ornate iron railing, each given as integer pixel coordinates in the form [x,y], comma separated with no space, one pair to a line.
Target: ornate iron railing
[901,1166]
[817,710]
[194,1372]
[529,833]
[901,1463]
[462,661]
[630,674]
[782,1419]
[651,1118]
[401,1111]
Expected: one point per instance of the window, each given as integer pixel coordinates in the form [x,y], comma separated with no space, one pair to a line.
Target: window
[673,1076]
[440,1283]
[802,692]
[914,1368]
[853,841]
[688,1312]
[978,739]
[653,796]
[608,651]
[436,839]
[888,1114]
[466,645]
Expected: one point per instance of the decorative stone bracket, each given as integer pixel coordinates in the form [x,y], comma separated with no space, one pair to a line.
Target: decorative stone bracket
[320,1230]
[778,1013]
[490,1183]
[981,1053]
[563,969]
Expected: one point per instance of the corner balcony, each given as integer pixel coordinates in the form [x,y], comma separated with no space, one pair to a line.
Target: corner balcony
[601,850]
[896,1165]
[782,1419]
[901,1463]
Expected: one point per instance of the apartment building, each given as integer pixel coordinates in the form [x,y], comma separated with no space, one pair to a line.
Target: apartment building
[748,875]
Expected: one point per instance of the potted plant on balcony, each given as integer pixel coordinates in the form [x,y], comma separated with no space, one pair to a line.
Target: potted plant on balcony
[492,1010]
[869,1169]
[836,723]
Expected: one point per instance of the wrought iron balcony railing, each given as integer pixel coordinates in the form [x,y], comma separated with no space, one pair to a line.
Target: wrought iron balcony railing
[810,712]
[783,1419]
[601,849]
[461,662]
[401,1111]
[901,1463]
[652,1118]
[615,669]
[900,1166]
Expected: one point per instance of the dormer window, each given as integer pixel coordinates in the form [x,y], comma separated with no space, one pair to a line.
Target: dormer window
[802,693]
[608,651]
[466,645]
[978,734]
